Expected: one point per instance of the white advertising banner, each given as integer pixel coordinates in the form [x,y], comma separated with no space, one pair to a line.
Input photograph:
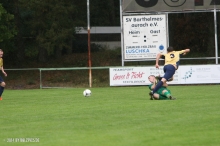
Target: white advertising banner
[193,74]
[128,76]
[144,36]
[196,74]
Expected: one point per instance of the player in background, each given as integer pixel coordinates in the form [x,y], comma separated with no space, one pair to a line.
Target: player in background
[172,60]
[2,83]
[163,93]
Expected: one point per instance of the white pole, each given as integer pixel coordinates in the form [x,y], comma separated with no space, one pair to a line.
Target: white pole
[89,50]
[122,38]
[216,37]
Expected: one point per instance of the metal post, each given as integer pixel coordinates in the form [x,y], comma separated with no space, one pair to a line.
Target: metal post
[40,79]
[167,29]
[122,38]
[89,50]
[216,37]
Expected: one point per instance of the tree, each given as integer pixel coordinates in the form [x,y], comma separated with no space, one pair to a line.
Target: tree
[7,27]
[192,31]
[105,13]
[47,28]
[52,25]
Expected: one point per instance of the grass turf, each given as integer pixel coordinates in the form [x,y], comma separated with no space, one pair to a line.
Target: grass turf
[113,116]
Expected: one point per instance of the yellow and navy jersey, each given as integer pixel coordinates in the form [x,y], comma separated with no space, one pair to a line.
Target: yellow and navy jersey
[1,62]
[173,57]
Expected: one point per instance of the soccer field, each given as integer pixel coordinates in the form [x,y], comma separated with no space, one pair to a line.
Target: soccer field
[113,116]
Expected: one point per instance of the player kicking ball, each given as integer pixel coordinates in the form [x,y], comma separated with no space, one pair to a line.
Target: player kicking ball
[162,93]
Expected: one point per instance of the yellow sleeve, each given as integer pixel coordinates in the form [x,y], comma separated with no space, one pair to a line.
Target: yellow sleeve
[181,52]
[1,62]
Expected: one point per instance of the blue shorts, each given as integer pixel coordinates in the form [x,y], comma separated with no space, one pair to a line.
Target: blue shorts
[169,71]
[1,79]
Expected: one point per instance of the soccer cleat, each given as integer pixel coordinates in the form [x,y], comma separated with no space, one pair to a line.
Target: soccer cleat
[172,98]
[0,98]
[151,95]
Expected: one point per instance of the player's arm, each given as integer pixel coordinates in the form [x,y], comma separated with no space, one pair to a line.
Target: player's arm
[153,85]
[157,60]
[186,51]
[5,74]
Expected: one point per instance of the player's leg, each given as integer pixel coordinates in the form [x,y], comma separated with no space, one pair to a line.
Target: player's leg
[162,97]
[2,86]
[152,96]
[167,93]
[170,79]
[169,72]
[156,96]
[159,85]
[159,78]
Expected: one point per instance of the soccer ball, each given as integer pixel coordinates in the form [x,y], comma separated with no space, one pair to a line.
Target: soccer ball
[87,93]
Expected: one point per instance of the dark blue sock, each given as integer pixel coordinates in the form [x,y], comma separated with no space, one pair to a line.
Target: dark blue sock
[159,84]
[1,90]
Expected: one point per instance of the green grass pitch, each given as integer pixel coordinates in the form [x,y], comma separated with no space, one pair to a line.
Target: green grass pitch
[112,116]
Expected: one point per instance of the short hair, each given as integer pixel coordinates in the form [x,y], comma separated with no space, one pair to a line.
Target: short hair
[170,49]
[162,57]
[151,76]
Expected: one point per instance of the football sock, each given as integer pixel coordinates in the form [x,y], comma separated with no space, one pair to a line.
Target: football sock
[159,84]
[1,90]
[167,94]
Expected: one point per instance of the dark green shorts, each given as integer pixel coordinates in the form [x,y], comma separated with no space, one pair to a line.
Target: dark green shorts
[160,91]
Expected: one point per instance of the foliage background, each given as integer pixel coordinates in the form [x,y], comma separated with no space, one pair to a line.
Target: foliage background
[39,31]
[37,34]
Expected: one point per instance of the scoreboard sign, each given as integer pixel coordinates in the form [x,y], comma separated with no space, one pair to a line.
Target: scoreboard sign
[144,36]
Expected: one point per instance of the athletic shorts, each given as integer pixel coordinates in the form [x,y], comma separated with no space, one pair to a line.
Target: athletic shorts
[160,91]
[1,79]
[169,71]
[161,97]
